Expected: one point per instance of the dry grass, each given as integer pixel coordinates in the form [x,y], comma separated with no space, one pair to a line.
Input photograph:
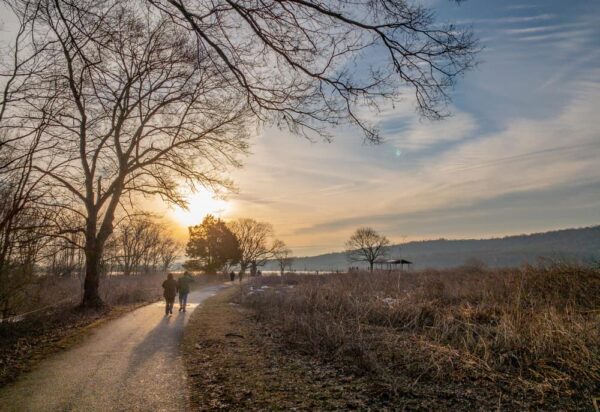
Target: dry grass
[49,291]
[531,334]
[55,323]
[114,290]
[232,366]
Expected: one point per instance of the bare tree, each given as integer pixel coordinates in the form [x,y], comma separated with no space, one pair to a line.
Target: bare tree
[22,225]
[151,256]
[297,61]
[283,256]
[256,242]
[65,255]
[143,99]
[132,244]
[139,110]
[366,245]
[169,250]
[144,246]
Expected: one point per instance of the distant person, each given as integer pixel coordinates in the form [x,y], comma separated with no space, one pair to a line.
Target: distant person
[232,275]
[170,290]
[183,287]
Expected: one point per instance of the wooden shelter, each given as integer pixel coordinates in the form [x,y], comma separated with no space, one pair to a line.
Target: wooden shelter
[392,264]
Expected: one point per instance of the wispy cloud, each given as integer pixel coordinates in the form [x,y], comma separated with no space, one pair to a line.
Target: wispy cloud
[411,134]
[552,27]
[528,156]
[571,35]
[521,6]
[520,152]
[511,19]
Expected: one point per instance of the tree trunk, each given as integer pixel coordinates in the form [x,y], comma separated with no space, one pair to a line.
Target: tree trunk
[371,266]
[94,247]
[91,295]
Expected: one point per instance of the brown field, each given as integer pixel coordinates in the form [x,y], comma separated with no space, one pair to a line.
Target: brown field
[520,338]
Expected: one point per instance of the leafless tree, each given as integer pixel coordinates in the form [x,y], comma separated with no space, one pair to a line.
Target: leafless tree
[312,63]
[143,96]
[65,255]
[170,249]
[138,110]
[144,246]
[283,256]
[22,225]
[366,245]
[132,244]
[256,242]
[20,244]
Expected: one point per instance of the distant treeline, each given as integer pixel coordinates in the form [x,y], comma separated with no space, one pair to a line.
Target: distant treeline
[582,245]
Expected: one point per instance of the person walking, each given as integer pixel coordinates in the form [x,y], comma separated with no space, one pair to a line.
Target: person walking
[169,292]
[183,287]
[232,275]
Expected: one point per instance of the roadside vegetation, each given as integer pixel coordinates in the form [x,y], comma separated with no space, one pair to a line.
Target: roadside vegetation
[516,338]
[57,322]
[54,322]
[233,364]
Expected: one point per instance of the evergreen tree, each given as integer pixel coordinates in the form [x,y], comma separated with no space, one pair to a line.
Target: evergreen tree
[211,246]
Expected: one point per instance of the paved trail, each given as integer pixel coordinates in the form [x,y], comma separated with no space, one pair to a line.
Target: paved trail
[130,364]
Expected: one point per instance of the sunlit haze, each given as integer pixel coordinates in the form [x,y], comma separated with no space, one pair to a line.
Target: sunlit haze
[200,203]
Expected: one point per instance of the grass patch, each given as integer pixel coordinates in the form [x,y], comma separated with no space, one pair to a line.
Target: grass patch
[514,338]
[234,364]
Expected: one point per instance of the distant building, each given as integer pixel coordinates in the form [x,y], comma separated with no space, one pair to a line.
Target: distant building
[392,264]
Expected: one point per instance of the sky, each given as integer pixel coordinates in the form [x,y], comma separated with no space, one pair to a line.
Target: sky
[520,153]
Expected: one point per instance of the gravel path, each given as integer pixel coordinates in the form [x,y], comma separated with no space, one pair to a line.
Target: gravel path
[133,363]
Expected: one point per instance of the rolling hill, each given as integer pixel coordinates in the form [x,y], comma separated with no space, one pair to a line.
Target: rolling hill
[582,244]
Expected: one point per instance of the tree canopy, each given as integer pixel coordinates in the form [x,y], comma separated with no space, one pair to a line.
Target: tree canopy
[211,246]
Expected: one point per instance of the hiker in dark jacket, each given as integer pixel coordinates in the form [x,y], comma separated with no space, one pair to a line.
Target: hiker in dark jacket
[183,287]
[170,290]
[232,275]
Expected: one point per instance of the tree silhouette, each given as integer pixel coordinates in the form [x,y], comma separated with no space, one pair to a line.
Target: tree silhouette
[283,256]
[138,98]
[137,110]
[256,242]
[366,245]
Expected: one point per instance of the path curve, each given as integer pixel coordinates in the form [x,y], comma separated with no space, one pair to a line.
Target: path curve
[133,363]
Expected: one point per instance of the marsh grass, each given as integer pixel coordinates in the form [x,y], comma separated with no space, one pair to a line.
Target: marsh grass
[533,330]
[60,292]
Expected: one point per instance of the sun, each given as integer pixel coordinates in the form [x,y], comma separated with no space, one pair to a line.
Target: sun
[200,204]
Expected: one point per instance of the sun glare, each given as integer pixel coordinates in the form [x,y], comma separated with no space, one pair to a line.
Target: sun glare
[200,204]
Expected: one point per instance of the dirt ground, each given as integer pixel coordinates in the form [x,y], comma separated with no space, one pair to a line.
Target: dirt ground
[232,367]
